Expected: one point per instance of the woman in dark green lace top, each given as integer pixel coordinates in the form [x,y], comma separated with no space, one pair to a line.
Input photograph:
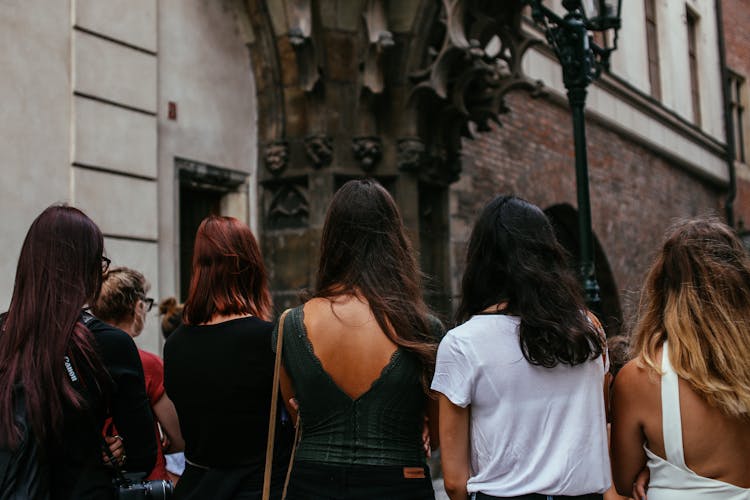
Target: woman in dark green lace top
[358,357]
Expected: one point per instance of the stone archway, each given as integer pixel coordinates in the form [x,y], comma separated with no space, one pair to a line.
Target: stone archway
[565,221]
[375,88]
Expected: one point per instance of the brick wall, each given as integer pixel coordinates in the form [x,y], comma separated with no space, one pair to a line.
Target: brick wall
[634,193]
[736,14]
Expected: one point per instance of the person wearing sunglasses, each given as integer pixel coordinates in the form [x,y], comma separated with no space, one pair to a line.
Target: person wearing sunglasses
[123,303]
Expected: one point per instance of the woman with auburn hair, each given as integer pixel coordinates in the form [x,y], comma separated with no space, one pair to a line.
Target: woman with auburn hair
[520,380]
[72,370]
[219,368]
[682,405]
[123,303]
[358,357]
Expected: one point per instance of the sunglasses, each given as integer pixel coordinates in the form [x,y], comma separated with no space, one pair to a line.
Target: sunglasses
[105,264]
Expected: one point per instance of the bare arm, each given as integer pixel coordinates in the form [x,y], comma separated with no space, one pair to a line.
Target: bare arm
[287,393]
[433,420]
[628,456]
[454,436]
[166,414]
[608,396]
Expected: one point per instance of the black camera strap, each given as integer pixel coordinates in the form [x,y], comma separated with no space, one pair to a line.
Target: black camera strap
[75,380]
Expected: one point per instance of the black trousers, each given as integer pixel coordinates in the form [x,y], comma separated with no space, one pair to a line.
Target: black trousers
[314,481]
[236,483]
[538,496]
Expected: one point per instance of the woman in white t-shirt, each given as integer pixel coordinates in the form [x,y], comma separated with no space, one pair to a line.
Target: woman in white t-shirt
[520,381]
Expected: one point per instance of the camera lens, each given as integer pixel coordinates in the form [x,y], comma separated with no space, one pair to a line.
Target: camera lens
[159,490]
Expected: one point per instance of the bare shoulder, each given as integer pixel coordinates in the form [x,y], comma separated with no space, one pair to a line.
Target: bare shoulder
[635,380]
[316,305]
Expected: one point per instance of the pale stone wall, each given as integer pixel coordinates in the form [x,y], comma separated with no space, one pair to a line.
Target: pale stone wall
[204,68]
[675,69]
[630,60]
[84,120]
[34,121]
[114,157]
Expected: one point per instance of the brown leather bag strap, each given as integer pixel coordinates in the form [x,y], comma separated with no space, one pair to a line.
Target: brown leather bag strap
[274,408]
[291,456]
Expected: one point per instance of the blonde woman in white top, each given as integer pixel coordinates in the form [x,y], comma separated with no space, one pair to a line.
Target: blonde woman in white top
[682,406]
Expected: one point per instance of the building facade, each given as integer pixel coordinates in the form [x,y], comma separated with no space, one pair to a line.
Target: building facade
[150,114]
[737,44]
[124,108]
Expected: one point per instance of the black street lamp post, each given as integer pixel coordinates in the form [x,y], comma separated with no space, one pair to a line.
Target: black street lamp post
[583,39]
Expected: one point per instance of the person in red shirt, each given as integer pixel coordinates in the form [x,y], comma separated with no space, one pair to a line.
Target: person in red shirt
[123,303]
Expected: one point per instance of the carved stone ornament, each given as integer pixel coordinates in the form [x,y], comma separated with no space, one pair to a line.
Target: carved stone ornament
[368,150]
[289,208]
[276,156]
[410,153]
[473,62]
[379,39]
[319,150]
[299,14]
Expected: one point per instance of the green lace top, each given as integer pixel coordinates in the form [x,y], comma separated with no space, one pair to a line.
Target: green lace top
[383,426]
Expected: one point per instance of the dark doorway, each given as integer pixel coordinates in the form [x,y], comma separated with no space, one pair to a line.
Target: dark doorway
[434,234]
[195,205]
[202,189]
[565,221]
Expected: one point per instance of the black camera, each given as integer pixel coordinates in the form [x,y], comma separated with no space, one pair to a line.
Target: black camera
[157,489]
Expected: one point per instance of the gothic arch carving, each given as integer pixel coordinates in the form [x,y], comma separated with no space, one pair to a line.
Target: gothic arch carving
[386,88]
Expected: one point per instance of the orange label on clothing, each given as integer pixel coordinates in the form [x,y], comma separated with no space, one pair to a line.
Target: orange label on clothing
[414,473]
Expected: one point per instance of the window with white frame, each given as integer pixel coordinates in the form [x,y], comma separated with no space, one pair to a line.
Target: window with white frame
[692,36]
[652,47]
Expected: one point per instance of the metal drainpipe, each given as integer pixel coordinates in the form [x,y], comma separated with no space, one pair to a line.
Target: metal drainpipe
[728,118]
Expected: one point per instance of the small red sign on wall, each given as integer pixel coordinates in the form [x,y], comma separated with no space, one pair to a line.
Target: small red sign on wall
[172,110]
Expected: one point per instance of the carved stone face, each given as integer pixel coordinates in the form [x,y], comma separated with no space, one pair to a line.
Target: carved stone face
[319,150]
[411,151]
[276,157]
[368,151]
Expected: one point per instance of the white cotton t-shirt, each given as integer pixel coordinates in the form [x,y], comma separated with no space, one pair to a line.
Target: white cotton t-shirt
[533,429]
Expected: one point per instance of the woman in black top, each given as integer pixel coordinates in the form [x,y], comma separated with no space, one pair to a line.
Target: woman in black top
[219,369]
[73,370]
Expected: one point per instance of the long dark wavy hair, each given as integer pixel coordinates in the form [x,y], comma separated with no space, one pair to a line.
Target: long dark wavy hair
[365,251]
[228,274]
[514,257]
[59,271]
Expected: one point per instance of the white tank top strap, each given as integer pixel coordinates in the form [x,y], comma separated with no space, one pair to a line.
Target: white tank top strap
[670,411]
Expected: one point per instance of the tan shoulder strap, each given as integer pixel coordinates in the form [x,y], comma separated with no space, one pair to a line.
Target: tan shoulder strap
[600,330]
[274,407]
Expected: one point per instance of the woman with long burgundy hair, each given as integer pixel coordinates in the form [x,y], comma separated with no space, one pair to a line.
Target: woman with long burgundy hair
[219,368]
[72,370]
[358,358]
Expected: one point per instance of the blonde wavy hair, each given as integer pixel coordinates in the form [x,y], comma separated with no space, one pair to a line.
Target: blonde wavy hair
[697,296]
[121,289]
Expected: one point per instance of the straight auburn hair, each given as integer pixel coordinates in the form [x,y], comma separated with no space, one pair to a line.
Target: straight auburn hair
[697,297]
[228,274]
[364,251]
[59,271]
